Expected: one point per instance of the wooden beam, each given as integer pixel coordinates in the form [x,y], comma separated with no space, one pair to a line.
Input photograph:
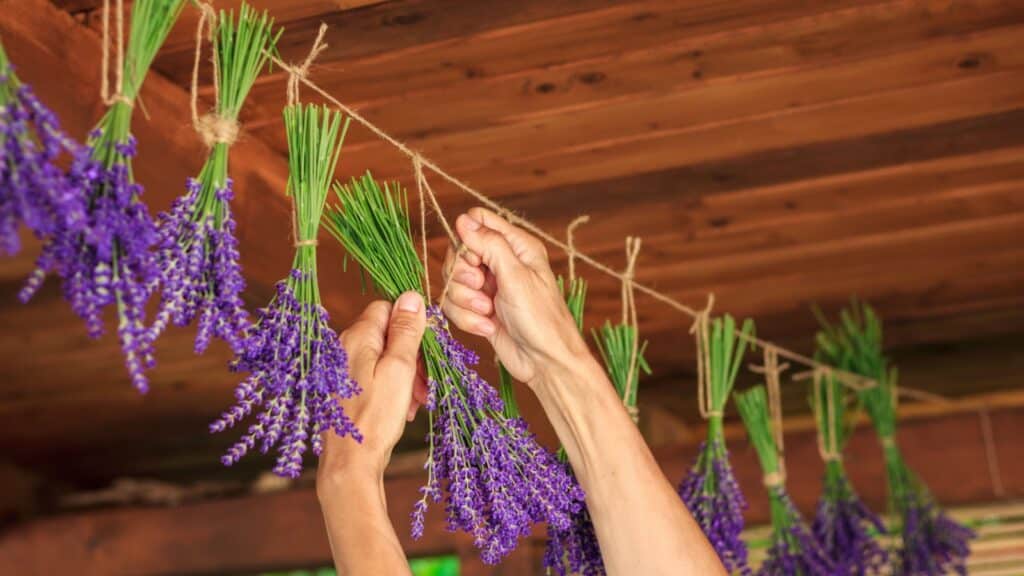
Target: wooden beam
[285,530]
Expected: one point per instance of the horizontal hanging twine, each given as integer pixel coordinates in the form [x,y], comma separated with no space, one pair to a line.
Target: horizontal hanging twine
[299,75]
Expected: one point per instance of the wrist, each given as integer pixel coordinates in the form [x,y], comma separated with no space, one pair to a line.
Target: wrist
[340,470]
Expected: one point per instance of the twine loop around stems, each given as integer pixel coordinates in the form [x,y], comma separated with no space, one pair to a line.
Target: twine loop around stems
[118,95]
[772,371]
[309,242]
[297,72]
[212,128]
[774,479]
[570,241]
[629,318]
[701,332]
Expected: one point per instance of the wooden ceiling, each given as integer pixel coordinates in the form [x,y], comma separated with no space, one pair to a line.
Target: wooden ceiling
[778,153]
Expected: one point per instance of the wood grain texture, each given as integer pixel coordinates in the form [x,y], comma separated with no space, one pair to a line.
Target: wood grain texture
[777,153]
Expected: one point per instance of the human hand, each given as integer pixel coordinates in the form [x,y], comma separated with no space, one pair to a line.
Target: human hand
[383,347]
[502,288]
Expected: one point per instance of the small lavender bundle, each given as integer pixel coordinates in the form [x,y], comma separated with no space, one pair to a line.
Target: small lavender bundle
[932,542]
[574,550]
[843,525]
[793,551]
[710,490]
[33,190]
[297,367]
[495,478]
[197,249]
[106,259]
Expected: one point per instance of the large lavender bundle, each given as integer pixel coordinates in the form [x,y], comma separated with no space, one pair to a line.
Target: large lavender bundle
[33,190]
[494,477]
[574,550]
[710,490]
[793,551]
[844,526]
[297,367]
[198,252]
[932,542]
[106,259]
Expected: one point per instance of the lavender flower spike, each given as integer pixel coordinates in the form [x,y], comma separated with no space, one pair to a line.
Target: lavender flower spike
[33,190]
[297,368]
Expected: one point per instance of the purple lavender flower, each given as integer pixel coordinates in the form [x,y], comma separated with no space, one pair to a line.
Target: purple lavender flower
[933,543]
[103,256]
[200,273]
[498,481]
[575,550]
[846,529]
[33,189]
[297,372]
[793,550]
[713,496]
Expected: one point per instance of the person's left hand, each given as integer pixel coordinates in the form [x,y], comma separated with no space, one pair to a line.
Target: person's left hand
[383,347]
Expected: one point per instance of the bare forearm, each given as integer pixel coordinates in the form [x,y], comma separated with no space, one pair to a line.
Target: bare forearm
[641,524]
[363,541]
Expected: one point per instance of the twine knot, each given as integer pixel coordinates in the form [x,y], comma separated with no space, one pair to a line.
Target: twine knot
[634,413]
[297,73]
[215,129]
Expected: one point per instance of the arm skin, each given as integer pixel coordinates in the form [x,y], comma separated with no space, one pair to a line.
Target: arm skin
[503,289]
[382,345]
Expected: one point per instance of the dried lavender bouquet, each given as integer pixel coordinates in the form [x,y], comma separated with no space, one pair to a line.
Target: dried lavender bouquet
[297,367]
[106,259]
[574,550]
[843,525]
[932,542]
[33,190]
[710,490]
[200,275]
[794,550]
[496,480]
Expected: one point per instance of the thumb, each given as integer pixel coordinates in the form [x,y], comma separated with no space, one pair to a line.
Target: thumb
[490,245]
[405,331]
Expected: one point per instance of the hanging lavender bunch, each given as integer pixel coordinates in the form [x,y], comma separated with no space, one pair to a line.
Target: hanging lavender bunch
[793,551]
[33,190]
[932,542]
[843,525]
[297,367]
[494,477]
[106,259]
[198,252]
[710,490]
[574,550]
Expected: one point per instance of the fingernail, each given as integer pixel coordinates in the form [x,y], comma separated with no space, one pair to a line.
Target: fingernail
[410,302]
[470,222]
[480,305]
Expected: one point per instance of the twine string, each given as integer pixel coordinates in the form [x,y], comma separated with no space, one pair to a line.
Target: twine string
[213,128]
[417,169]
[297,76]
[774,479]
[828,444]
[118,95]
[772,371]
[629,318]
[701,333]
[570,242]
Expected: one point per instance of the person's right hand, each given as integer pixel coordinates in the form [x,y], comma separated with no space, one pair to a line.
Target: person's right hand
[502,288]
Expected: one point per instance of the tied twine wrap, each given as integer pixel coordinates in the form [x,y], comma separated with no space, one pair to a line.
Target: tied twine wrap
[212,128]
[701,332]
[772,371]
[629,317]
[297,73]
[118,95]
